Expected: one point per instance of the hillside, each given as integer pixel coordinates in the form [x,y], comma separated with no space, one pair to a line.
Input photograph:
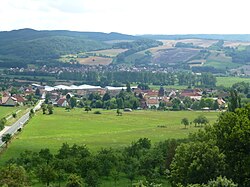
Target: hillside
[213,53]
[230,37]
[26,46]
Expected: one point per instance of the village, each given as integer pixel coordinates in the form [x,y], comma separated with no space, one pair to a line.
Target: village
[162,99]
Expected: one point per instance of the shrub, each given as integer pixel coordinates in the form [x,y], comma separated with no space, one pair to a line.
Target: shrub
[14,115]
[97,112]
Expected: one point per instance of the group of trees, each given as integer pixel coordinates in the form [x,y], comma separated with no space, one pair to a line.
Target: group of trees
[6,138]
[3,122]
[220,150]
[200,120]
[239,56]
[77,166]
[48,107]
[187,103]
[117,78]
[190,79]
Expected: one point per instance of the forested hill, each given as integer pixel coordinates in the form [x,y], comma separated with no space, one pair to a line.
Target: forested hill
[231,37]
[24,46]
[30,34]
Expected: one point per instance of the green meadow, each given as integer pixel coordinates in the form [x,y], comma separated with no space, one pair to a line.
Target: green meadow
[7,111]
[100,130]
[229,81]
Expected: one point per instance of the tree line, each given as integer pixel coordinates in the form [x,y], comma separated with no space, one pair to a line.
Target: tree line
[158,78]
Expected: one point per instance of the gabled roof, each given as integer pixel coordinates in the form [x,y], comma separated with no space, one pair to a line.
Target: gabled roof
[4,100]
[61,101]
[19,98]
[152,101]
[151,92]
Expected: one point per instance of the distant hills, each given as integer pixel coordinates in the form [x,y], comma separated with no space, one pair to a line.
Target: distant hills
[27,46]
[30,34]
[230,37]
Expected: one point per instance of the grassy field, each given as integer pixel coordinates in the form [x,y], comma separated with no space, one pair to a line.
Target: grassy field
[96,131]
[7,111]
[229,81]
[20,111]
[221,61]
[222,65]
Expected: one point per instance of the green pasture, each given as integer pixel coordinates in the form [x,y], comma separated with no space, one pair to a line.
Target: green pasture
[222,65]
[7,111]
[103,130]
[229,81]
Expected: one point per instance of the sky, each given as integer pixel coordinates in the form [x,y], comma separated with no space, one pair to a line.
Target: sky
[128,16]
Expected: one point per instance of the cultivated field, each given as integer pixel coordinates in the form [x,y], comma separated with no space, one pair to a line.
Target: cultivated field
[174,56]
[94,60]
[196,42]
[235,43]
[104,130]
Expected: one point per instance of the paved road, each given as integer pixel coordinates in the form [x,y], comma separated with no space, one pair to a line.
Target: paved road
[20,122]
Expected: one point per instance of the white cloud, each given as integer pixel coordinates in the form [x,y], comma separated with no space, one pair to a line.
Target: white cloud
[128,16]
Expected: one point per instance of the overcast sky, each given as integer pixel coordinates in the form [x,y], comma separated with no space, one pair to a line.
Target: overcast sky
[128,16]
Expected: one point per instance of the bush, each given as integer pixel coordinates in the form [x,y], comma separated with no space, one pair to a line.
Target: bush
[14,115]
[97,112]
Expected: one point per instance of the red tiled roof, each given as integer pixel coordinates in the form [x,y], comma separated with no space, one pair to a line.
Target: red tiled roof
[19,98]
[61,101]
[152,101]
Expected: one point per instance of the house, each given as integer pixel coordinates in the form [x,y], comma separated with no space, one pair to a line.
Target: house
[195,94]
[152,102]
[53,97]
[8,101]
[62,102]
[19,99]
[221,102]
[28,91]
[172,94]
[6,94]
[151,93]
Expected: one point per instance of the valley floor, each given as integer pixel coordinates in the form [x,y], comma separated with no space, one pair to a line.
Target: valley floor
[100,130]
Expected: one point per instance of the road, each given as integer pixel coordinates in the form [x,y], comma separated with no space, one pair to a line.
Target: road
[20,122]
